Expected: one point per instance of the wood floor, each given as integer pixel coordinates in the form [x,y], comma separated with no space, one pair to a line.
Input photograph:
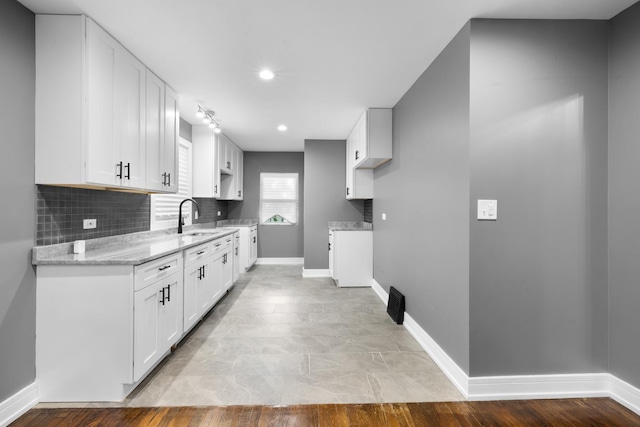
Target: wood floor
[566,412]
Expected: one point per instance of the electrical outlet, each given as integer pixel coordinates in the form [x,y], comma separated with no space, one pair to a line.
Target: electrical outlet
[89,223]
[219,213]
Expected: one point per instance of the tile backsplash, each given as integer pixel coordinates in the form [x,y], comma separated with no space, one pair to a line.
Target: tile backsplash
[368,210]
[61,211]
[209,209]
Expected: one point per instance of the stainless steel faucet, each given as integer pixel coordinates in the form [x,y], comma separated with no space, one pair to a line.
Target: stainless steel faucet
[180,219]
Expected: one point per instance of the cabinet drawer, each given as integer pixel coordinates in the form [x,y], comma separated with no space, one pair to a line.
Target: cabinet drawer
[221,245]
[197,253]
[150,272]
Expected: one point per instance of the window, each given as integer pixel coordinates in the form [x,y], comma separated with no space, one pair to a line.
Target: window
[278,198]
[164,207]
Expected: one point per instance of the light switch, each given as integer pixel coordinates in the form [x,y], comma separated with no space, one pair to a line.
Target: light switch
[384,216]
[488,210]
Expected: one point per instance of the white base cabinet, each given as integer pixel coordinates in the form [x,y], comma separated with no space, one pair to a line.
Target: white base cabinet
[248,247]
[351,257]
[101,328]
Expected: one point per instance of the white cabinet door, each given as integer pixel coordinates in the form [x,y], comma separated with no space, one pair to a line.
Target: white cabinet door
[216,279]
[236,256]
[171,138]
[349,165]
[205,288]
[147,346]
[253,257]
[129,126]
[103,162]
[171,325]
[155,132]
[239,174]
[206,168]
[331,255]
[192,310]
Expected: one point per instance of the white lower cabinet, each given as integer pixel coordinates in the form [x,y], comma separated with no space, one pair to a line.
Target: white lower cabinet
[226,264]
[351,257]
[248,247]
[100,329]
[157,322]
[236,256]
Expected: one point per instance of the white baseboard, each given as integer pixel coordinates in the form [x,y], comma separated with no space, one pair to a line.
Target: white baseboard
[280,261]
[625,394]
[16,405]
[315,273]
[521,386]
[539,386]
[455,374]
[382,294]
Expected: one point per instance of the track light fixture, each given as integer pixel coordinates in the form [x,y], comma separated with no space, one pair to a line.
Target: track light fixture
[208,119]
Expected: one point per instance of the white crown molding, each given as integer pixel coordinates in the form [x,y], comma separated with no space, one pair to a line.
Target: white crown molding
[16,405]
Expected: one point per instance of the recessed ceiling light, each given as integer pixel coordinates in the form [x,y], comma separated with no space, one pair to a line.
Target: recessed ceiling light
[266,74]
[282,128]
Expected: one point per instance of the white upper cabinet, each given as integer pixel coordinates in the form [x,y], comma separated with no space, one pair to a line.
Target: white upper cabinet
[217,165]
[206,166]
[162,117]
[368,146]
[169,152]
[91,115]
[231,179]
[225,154]
[359,181]
[155,131]
[373,136]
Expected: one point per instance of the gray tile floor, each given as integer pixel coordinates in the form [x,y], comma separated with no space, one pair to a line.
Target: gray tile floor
[277,338]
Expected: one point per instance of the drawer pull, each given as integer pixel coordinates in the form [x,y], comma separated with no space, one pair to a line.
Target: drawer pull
[218,245]
[164,268]
[200,253]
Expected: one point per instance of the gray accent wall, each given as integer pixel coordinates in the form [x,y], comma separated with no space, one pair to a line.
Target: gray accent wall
[325,200]
[538,275]
[186,130]
[274,241]
[422,249]
[624,201]
[17,281]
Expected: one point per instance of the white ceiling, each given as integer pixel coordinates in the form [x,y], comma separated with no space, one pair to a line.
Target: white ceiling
[332,58]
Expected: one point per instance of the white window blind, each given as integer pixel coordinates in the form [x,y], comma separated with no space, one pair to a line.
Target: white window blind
[164,207]
[278,198]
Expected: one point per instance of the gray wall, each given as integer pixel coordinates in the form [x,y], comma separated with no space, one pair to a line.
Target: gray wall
[422,248]
[538,275]
[325,181]
[274,241]
[185,130]
[17,281]
[624,202]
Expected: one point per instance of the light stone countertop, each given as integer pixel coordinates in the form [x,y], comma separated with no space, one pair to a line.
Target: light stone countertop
[127,249]
[350,226]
